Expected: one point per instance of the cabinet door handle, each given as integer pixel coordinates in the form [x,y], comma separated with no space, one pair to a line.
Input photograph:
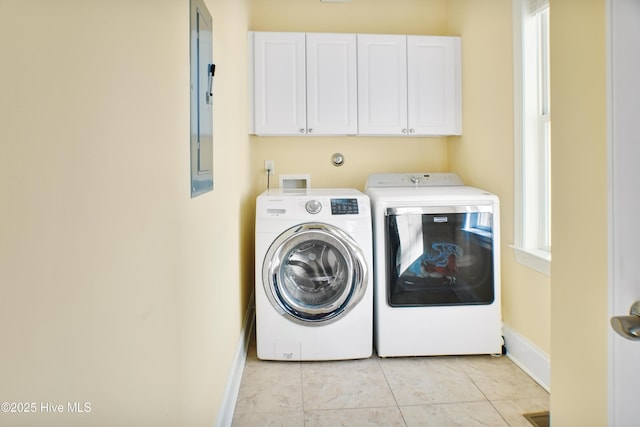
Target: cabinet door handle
[301,130]
[404,131]
[412,130]
[310,130]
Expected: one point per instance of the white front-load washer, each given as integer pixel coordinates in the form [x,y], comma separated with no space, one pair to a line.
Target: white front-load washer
[437,266]
[313,280]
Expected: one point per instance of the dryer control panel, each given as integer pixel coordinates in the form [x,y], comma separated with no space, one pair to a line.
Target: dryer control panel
[433,179]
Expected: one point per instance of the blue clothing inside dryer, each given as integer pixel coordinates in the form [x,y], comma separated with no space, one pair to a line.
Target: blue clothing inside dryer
[437,260]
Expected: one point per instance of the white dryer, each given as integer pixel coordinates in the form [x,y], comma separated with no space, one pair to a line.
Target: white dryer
[313,284]
[437,266]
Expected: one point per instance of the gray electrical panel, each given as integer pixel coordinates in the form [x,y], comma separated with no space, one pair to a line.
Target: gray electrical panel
[202,73]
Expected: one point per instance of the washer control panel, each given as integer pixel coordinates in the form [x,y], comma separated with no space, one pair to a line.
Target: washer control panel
[313,206]
[333,204]
[344,207]
[338,206]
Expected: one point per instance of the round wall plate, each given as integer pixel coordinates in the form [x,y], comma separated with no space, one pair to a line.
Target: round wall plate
[337,159]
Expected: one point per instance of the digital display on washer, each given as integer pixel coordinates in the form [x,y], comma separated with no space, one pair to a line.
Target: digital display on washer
[344,206]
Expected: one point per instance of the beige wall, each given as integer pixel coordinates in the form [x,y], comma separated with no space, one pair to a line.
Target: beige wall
[579,270]
[484,155]
[221,275]
[364,155]
[358,16]
[120,290]
[116,287]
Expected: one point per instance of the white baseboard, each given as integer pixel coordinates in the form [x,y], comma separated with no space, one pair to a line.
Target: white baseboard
[225,413]
[528,357]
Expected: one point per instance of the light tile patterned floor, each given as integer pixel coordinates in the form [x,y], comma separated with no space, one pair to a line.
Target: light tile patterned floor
[415,391]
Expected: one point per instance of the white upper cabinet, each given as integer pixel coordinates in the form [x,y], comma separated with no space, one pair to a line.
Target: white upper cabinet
[348,84]
[409,85]
[382,84]
[304,84]
[332,92]
[433,70]
[279,84]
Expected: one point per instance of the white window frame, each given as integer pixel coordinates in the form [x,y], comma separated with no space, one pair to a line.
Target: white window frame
[532,234]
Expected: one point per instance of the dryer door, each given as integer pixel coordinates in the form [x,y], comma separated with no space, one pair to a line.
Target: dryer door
[314,273]
[439,256]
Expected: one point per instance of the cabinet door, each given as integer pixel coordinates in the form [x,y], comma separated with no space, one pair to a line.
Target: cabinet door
[382,84]
[331,84]
[279,83]
[433,67]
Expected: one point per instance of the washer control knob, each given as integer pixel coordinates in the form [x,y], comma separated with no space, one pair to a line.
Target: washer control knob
[313,206]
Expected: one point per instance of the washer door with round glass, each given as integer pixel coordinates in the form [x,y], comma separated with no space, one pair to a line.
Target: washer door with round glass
[314,273]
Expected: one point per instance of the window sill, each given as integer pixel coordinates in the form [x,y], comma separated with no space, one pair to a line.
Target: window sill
[535,259]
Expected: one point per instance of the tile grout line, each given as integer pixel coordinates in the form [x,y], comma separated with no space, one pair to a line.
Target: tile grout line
[486,397]
[384,374]
[304,409]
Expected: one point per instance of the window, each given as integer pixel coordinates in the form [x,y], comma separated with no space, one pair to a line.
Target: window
[533,134]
